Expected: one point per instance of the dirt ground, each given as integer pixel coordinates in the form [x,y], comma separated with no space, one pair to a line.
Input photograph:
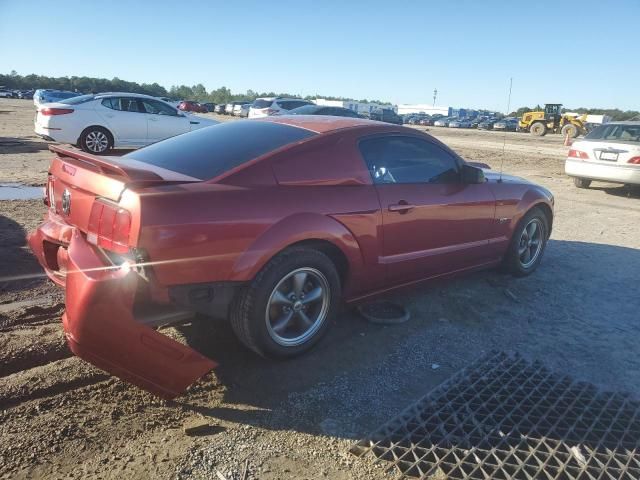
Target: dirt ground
[61,418]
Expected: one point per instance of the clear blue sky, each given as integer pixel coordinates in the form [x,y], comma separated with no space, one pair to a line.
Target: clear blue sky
[582,53]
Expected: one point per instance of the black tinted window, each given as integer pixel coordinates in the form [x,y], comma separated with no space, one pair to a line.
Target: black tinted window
[260,103]
[78,100]
[210,151]
[398,159]
[291,104]
[308,110]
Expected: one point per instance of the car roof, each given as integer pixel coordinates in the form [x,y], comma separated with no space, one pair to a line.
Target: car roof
[124,94]
[321,124]
[635,123]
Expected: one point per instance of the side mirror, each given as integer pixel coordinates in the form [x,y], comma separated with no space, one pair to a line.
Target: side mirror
[472,175]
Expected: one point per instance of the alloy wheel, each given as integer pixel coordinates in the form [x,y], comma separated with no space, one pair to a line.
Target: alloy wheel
[531,243]
[97,141]
[297,307]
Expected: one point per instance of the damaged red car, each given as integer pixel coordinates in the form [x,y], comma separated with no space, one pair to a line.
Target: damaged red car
[269,223]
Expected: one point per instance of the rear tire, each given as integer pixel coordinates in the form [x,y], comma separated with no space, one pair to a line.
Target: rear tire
[96,140]
[275,316]
[527,243]
[538,129]
[581,182]
[570,130]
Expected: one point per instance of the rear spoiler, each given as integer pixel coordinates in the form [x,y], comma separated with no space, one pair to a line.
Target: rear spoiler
[101,165]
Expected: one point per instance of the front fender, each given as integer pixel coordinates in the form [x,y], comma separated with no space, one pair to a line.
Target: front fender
[294,229]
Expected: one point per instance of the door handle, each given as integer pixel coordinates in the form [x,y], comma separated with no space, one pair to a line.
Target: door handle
[153,119]
[401,207]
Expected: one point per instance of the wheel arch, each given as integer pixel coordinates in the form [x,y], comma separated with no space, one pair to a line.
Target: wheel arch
[312,230]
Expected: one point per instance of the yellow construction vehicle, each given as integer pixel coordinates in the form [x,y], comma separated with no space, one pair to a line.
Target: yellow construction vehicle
[552,120]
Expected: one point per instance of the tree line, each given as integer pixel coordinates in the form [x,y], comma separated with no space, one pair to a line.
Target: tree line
[179,92]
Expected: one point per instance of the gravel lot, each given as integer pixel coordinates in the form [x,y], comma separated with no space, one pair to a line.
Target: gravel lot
[61,418]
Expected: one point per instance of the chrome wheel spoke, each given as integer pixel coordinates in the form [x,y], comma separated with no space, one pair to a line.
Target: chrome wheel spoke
[526,256]
[531,229]
[521,249]
[313,296]
[305,319]
[299,279]
[281,324]
[280,298]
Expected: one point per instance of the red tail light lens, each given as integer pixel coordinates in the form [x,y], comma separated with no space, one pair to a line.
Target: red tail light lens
[109,227]
[55,111]
[578,154]
[634,160]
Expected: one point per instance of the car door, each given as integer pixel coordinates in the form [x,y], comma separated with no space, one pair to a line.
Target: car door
[125,118]
[163,121]
[433,223]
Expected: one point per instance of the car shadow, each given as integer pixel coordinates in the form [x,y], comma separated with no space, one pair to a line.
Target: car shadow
[361,373]
[627,191]
[18,267]
[22,145]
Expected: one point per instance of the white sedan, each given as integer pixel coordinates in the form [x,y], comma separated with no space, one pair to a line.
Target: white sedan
[99,122]
[610,153]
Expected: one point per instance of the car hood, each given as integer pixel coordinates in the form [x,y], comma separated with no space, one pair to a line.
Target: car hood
[493,176]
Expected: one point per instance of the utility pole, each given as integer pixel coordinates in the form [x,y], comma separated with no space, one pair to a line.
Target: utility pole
[435,94]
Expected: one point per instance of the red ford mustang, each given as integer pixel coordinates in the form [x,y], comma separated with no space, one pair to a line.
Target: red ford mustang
[270,223]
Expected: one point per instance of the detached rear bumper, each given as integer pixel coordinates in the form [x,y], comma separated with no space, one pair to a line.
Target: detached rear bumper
[99,321]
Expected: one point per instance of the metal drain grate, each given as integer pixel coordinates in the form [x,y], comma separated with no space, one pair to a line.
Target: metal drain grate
[506,418]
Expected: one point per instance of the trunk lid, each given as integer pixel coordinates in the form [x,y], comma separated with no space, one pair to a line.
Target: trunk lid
[77,179]
[608,152]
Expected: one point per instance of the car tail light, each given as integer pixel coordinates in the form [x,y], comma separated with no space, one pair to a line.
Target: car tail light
[578,154]
[48,193]
[109,227]
[55,111]
[634,160]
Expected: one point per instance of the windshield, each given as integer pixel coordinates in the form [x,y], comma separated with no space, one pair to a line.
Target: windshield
[616,132]
[304,110]
[211,151]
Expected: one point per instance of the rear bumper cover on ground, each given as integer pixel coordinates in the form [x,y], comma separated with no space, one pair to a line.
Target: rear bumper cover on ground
[99,323]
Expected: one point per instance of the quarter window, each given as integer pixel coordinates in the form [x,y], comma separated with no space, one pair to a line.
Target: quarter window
[398,159]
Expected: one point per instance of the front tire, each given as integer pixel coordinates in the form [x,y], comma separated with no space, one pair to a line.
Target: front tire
[528,243]
[538,129]
[96,140]
[569,129]
[287,308]
[581,182]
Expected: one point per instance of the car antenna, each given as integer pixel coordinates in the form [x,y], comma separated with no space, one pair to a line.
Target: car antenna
[504,135]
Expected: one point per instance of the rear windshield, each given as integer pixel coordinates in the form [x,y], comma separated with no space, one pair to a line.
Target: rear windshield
[260,103]
[305,110]
[211,151]
[62,94]
[615,132]
[78,100]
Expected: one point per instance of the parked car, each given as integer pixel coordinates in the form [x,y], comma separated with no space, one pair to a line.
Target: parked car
[487,124]
[443,122]
[264,107]
[507,124]
[209,106]
[26,94]
[41,96]
[99,122]
[460,123]
[230,109]
[609,153]
[296,212]
[385,115]
[6,93]
[323,110]
[220,108]
[191,106]
[242,110]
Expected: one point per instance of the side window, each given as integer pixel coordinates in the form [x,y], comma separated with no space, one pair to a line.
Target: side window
[127,104]
[157,108]
[111,103]
[398,159]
